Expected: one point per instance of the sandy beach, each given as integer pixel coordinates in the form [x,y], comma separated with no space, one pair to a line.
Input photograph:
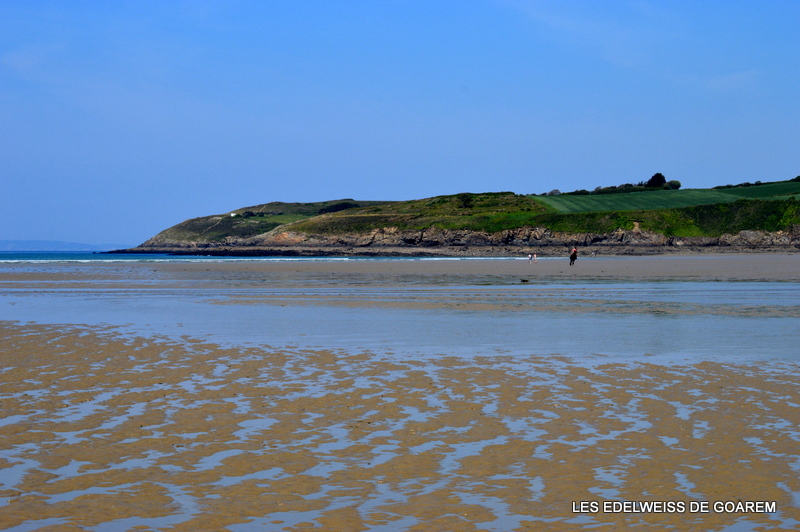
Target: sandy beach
[166,436]
[772,267]
[107,429]
[766,267]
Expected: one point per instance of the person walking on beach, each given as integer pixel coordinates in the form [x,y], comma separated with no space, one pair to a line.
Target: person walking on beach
[530,258]
[573,257]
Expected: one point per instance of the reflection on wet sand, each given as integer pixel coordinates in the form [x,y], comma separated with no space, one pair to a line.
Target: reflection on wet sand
[728,308]
[570,299]
[105,431]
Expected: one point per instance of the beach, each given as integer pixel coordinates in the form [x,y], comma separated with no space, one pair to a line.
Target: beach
[755,266]
[390,395]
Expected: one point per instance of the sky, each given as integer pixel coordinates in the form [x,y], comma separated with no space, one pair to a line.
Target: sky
[120,119]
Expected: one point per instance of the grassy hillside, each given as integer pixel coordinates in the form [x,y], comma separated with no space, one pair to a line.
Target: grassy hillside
[491,211]
[668,199]
[251,221]
[693,212]
[689,214]
[700,220]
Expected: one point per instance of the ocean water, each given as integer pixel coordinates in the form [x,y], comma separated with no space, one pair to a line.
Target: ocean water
[591,319]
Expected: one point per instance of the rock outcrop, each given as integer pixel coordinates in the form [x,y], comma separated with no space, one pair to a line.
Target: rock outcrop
[442,242]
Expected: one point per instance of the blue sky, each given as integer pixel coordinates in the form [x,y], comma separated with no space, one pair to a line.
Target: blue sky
[119,119]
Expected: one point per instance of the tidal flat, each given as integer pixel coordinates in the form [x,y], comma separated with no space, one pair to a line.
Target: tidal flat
[398,395]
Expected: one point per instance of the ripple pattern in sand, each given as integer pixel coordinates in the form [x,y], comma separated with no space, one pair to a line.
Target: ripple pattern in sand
[106,432]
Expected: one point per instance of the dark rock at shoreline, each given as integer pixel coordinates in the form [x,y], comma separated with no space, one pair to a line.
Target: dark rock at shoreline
[443,243]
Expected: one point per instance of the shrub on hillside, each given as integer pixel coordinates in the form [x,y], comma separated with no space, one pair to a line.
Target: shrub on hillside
[657,181]
[464,200]
[336,207]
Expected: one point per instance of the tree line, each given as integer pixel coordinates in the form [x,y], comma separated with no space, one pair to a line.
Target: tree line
[657,182]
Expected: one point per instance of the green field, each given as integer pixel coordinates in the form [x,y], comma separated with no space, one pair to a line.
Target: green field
[699,220]
[667,199]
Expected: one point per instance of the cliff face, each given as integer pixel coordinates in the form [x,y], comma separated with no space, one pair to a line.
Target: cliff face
[434,241]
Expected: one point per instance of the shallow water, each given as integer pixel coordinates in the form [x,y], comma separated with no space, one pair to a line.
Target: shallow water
[443,314]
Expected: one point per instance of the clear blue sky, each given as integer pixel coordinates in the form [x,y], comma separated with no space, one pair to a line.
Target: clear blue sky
[119,119]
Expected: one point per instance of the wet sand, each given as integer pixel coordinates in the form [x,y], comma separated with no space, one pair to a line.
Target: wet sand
[775,267]
[103,428]
[729,267]
[101,431]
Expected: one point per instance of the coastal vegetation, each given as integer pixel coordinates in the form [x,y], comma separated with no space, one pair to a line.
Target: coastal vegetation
[671,198]
[490,211]
[255,220]
[661,209]
[692,212]
[657,182]
[708,220]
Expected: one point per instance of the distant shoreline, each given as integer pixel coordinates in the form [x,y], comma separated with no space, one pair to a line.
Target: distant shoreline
[686,267]
[453,251]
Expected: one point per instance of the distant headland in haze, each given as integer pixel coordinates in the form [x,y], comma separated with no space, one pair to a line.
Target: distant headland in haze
[52,245]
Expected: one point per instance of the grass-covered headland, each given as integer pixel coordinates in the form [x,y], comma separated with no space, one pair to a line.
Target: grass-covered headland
[668,211]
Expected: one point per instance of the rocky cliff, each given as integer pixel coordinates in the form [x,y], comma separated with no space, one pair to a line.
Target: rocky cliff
[439,242]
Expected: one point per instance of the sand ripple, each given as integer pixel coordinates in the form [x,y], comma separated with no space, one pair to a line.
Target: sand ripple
[101,431]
